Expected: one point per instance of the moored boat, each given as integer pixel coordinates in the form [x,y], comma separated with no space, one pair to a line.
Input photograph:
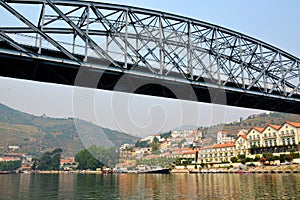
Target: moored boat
[156,171]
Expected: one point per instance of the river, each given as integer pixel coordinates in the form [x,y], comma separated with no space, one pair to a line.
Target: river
[150,186]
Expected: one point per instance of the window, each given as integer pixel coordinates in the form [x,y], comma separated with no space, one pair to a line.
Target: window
[250,137]
[274,134]
[287,132]
[258,136]
[283,141]
[275,143]
[266,143]
[282,132]
[270,134]
[293,141]
[265,135]
[292,131]
[288,141]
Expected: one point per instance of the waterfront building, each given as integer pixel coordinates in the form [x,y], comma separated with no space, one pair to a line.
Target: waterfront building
[254,137]
[289,133]
[224,137]
[258,140]
[217,153]
[241,145]
[270,136]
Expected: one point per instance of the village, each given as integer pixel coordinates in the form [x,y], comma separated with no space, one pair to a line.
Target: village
[272,145]
[186,151]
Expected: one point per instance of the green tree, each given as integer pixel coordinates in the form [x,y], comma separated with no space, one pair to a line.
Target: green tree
[142,144]
[234,159]
[35,163]
[49,160]
[256,158]
[165,135]
[10,165]
[55,158]
[96,157]
[84,159]
[107,156]
[155,145]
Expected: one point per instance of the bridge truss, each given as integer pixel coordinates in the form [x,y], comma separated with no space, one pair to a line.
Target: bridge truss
[148,43]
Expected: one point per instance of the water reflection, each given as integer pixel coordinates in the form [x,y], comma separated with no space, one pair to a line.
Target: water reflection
[143,186]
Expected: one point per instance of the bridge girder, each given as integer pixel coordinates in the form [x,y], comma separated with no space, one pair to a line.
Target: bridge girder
[151,43]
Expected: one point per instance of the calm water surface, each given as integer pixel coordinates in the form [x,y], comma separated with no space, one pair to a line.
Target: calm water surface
[149,186]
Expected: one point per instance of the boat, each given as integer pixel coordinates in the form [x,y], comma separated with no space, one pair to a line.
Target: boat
[155,170]
[150,170]
[4,172]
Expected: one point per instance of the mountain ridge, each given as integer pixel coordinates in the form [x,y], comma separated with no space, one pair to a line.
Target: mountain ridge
[36,134]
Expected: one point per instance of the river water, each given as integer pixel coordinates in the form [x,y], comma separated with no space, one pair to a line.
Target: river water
[150,186]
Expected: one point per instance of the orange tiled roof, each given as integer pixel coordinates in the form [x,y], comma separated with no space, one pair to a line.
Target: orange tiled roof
[276,127]
[243,136]
[190,152]
[295,124]
[224,145]
[258,129]
[8,159]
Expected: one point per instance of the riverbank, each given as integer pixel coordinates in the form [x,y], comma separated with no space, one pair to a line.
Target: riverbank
[260,169]
[293,168]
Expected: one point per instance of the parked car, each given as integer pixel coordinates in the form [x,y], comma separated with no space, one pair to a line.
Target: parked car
[251,165]
[285,163]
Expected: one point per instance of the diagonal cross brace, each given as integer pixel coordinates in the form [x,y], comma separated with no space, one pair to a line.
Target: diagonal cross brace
[37,30]
[83,35]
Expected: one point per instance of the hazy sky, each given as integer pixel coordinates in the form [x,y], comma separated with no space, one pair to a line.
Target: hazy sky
[275,22]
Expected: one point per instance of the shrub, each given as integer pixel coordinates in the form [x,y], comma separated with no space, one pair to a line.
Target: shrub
[234,159]
[288,158]
[257,157]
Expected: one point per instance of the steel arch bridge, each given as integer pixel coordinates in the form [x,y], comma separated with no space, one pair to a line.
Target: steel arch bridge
[52,40]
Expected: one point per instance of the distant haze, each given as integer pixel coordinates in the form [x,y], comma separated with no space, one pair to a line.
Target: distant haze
[136,114]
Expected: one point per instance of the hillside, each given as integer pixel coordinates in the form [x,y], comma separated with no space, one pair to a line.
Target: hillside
[36,134]
[255,120]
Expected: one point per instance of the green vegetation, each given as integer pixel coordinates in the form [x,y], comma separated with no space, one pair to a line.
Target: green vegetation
[10,165]
[269,157]
[142,144]
[165,135]
[162,161]
[87,161]
[234,159]
[96,157]
[49,160]
[256,158]
[155,146]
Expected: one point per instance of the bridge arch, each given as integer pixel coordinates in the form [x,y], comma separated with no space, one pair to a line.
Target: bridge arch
[66,35]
